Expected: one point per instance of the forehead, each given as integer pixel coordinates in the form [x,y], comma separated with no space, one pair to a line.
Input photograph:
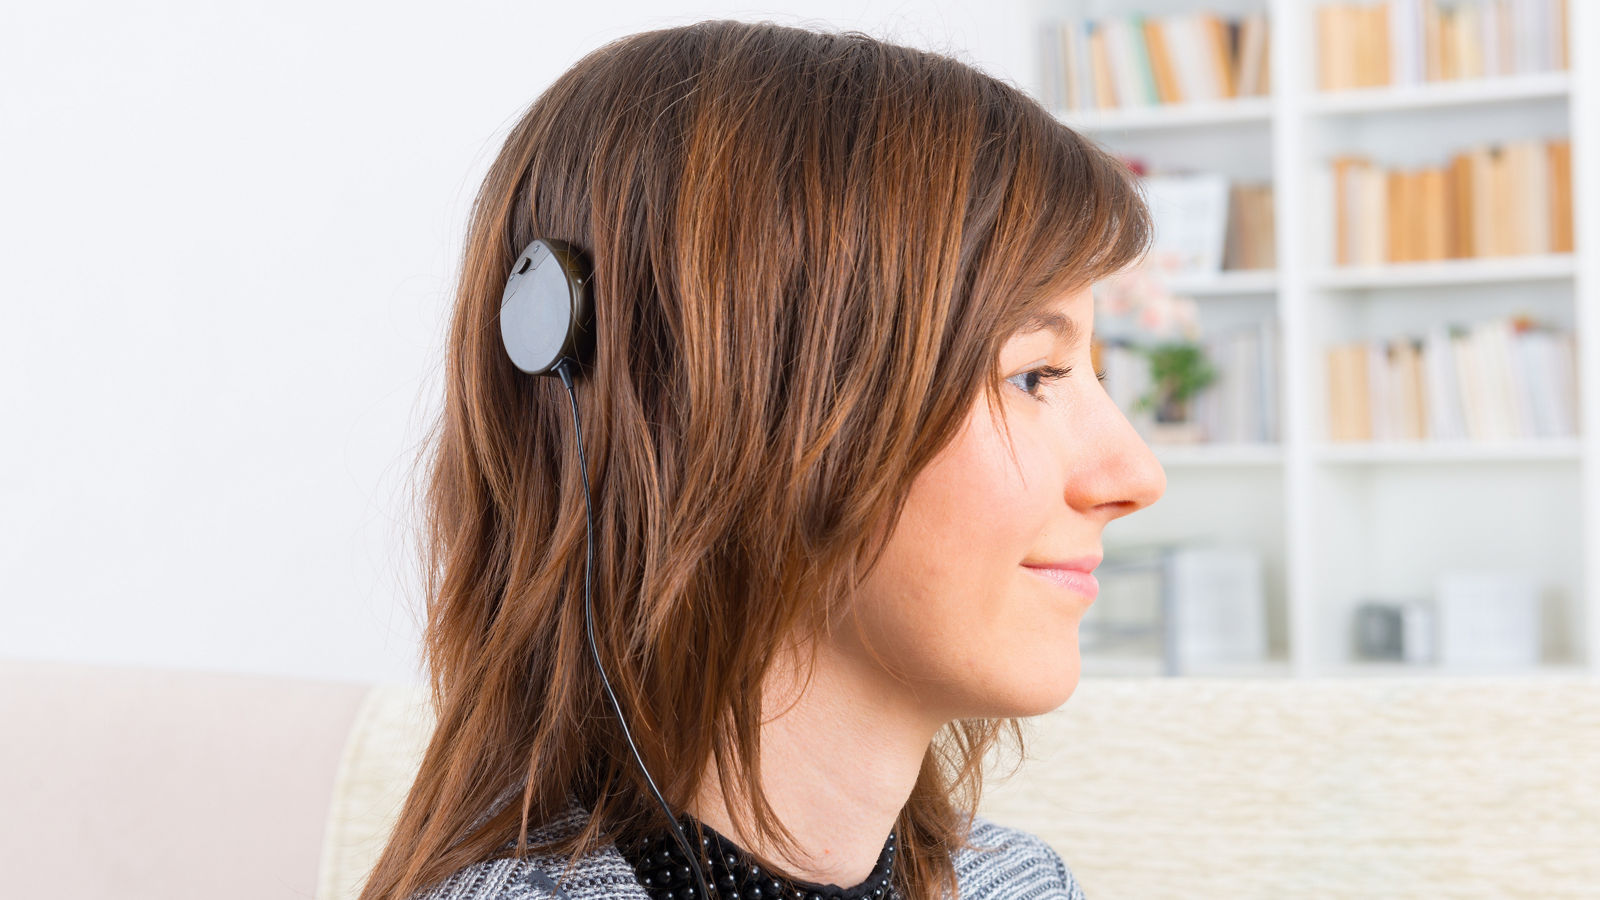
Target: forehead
[1065,329]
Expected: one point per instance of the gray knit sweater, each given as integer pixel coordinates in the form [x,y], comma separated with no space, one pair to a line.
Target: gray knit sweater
[1014,865]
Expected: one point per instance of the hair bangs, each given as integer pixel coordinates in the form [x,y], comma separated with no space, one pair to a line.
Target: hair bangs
[1092,220]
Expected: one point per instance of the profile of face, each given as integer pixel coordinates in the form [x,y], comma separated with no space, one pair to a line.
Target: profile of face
[954,604]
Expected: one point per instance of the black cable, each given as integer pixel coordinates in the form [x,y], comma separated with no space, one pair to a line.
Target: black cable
[564,369]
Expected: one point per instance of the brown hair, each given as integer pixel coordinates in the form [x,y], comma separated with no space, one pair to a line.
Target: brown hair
[808,250]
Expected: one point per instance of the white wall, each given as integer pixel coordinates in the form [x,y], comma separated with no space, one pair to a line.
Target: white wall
[229,237]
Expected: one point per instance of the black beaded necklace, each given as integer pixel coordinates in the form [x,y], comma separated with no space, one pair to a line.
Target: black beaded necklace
[661,868]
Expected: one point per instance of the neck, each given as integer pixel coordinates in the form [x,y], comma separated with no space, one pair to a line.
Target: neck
[838,764]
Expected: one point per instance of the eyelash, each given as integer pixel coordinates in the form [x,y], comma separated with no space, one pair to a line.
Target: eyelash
[1051,373]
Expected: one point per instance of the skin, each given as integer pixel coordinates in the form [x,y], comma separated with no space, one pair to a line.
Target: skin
[950,624]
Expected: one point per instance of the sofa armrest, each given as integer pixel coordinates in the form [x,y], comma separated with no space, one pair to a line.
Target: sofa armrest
[133,782]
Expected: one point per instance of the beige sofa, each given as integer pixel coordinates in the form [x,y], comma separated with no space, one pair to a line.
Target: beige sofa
[140,783]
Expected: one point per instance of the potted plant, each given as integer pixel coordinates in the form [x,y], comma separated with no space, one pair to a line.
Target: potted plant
[1178,371]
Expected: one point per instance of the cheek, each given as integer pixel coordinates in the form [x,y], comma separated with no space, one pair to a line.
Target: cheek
[948,604]
[974,508]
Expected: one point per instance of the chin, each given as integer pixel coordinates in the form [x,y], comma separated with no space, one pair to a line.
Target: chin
[1037,689]
[1050,675]
[1058,693]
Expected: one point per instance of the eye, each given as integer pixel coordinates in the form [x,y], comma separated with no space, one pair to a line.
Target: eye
[1047,373]
[1041,374]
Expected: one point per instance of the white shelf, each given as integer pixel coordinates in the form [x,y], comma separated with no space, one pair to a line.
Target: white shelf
[1406,510]
[1218,454]
[1228,282]
[1554,449]
[1482,270]
[1398,670]
[1462,92]
[1105,665]
[1245,110]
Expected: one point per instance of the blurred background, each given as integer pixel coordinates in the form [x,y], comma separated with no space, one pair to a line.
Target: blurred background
[1363,348]
[231,235]
[1358,348]
[232,232]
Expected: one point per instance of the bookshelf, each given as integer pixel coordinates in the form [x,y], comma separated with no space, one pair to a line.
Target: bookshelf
[1341,522]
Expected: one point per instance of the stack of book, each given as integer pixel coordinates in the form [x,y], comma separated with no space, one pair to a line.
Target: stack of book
[1134,60]
[1503,198]
[1407,42]
[1502,379]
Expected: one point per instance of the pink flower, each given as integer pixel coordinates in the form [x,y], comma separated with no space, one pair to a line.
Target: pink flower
[1141,289]
[1152,318]
[1116,301]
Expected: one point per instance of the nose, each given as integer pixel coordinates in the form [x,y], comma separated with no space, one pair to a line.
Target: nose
[1115,471]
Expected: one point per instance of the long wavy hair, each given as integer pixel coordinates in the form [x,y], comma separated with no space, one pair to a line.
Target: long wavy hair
[808,249]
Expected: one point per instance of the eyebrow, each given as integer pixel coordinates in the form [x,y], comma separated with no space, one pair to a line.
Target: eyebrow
[1065,329]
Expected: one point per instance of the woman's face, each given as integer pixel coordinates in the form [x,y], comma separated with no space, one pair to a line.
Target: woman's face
[952,604]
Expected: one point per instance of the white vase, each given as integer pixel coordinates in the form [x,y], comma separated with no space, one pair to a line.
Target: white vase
[1176,433]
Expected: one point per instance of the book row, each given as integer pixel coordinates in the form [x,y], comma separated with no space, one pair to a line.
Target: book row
[1494,199]
[1409,42]
[1501,379]
[1135,60]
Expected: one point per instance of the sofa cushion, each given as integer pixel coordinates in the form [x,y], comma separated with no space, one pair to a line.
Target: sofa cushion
[1213,787]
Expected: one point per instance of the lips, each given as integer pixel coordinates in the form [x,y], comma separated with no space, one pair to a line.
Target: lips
[1074,580]
[1082,563]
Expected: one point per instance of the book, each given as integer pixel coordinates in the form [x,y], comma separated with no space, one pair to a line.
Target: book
[1190,213]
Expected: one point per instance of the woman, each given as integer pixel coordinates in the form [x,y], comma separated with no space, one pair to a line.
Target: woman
[841,412]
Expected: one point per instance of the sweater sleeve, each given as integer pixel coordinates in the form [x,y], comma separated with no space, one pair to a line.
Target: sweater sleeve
[1005,863]
[1074,890]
